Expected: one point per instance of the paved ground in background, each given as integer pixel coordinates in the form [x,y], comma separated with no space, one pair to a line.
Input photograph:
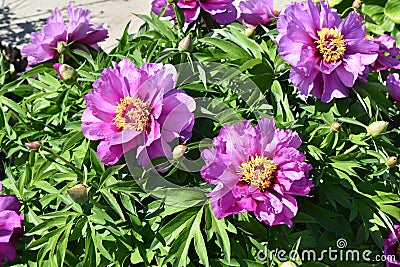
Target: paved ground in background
[18,18]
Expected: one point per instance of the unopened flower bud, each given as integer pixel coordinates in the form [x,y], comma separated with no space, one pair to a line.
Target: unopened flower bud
[391,161]
[66,72]
[356,4]
[288,264]
[61,47]
[33,146]
[249,31]
[78,193]
[179,151]
[11,69]
[186,45]
[335,127]
[376,128]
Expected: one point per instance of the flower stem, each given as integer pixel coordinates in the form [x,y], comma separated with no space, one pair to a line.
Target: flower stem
[346,10]
[179,20]
[351,149]
[69,164]
[69,53]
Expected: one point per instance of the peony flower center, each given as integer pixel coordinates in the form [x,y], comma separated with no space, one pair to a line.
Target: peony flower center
[258,171]
[331,44]
[132,113]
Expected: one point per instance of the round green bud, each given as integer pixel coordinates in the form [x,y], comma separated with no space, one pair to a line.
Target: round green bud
[186,45]
[79,193]
[179,151]
[391,161]
[376,128]
[335,127]
[33,146]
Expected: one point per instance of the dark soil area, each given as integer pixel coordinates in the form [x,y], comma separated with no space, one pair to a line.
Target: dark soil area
[13,56]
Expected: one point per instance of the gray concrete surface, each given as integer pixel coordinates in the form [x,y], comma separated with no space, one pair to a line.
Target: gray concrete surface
[18,18]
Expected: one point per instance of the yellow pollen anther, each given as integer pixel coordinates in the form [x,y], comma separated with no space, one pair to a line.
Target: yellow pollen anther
[331,44]
[132,113]
[258,171]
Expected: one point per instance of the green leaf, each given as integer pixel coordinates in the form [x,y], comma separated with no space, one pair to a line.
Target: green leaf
[352,121]
[162,26]
[241,40]
[333,3]
[219,228]
[184,248]
[109,173]
[379,23]
[232,51]
[112,201]
[12,105]
[283,109]
[199,243]
[86,56]
[172,229]
[96,164]
[72,141]
[392,10]
[63,244]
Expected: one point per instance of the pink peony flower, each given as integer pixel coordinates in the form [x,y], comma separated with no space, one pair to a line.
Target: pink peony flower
[388,51]
[223,11]
[65,72]
[10,226]
[257,12]
[56,35]
[158,5]
[393,83]
[391,247]
[137,108]
[326,53]
[256,169]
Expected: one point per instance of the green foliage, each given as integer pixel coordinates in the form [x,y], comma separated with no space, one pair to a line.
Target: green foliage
[382,17]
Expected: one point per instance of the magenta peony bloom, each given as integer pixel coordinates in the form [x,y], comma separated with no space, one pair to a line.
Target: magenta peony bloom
[55,35]
[57,67]
[391,247]
[137,108]
[327,53]
[10,226]
[257,12]
[158,5]
[393,83]
[387,45]
[65,72]
[223,11]
[256,169]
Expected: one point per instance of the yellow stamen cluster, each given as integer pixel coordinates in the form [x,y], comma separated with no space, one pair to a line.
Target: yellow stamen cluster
[258,171]
[132,113]
[331,44]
